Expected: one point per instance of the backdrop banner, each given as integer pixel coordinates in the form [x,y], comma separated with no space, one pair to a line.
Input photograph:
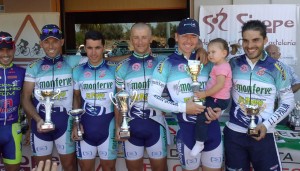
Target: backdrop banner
[225,21]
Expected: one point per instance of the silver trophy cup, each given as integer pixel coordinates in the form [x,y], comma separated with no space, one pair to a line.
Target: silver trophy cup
[76,114]
[294,118]
[122,101]
[194,68]
[47,96]
[252,111]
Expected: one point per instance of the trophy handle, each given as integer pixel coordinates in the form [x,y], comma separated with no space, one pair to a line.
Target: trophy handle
[113,98]
[57,91]
[134,94]
[38,93]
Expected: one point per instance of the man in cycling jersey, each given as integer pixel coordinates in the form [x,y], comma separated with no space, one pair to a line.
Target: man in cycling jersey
[51,72]
[93,82]
[147,126]
[257,80]
[11,83]
[172,74]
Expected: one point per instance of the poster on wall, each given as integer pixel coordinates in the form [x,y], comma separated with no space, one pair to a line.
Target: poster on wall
[225,21]
[25,29]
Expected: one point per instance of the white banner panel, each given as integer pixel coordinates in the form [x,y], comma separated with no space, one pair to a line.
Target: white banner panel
[225,21]
[25,29]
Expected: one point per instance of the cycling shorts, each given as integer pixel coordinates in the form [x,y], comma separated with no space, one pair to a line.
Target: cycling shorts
[42,143]
[106,145]
[145,133]
[10,143]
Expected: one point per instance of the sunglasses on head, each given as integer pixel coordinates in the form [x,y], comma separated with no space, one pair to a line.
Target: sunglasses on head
[6,39]
[51,31]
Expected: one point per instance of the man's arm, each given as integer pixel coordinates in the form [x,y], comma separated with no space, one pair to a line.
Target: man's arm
[76,105]
[118,120]
[76,99]
[295,87]
[28,107]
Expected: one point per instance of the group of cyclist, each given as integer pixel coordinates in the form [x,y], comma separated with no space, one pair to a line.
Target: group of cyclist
[86,83]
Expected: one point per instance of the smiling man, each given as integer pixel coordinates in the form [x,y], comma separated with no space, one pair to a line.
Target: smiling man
[51,72]
[256,71]
[11,82]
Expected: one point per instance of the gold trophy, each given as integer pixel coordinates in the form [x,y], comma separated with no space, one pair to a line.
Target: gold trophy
[76,114]
[122,101]
[46,96]
[194,68]
[252,111]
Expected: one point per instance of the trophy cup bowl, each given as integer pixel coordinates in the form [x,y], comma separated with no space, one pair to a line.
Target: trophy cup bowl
[76,114]
[252,110]
[194,68]
[46,97]
[295,117]
[122,101]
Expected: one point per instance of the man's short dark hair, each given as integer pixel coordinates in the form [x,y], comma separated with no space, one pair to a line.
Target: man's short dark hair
[256,25]
[94,35]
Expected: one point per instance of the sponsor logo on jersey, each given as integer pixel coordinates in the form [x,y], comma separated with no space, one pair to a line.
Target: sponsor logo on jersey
[244,68]
[98,86]
[45,67]
[102,73]
[181,67]
[160,67]
[136,66]
[59,65]
[281,69]
[10,77]
[149,63]
[261,71]
[144,85]
[34,62]
[121,63]
[254,89]
[56,83]
[87,74]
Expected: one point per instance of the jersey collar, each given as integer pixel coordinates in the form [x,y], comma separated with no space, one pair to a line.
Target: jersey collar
[5,67]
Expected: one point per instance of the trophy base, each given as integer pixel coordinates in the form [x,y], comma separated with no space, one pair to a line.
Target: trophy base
[198,103]
[253,133]
[124,134]
[48,126]
[295,128]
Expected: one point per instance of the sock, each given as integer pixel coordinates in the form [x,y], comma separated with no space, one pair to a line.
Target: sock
[198,147]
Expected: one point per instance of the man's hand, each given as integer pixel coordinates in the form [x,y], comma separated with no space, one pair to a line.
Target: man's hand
[48,166]
[74,132]
[202,56]
[194,109]
[39,127]
[212,114]
[262,131]
[117,134]
[26,140]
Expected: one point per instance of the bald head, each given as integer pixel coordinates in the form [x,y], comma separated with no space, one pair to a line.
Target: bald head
[273,51]
[141,26]
[140,38]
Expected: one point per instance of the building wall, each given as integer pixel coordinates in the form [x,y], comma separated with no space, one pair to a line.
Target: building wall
[123,5]
[31,6]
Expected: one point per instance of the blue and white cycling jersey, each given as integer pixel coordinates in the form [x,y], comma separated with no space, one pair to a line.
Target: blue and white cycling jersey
[11,83]
[53,73]
[260,83]
[135,73]
[172,73]
[95,84]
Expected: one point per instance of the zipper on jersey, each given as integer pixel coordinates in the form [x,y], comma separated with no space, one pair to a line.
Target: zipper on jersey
[95,89]
[5,94]
[144,101]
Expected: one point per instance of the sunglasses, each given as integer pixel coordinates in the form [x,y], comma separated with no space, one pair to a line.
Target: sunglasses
[51,31]
[6,39]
